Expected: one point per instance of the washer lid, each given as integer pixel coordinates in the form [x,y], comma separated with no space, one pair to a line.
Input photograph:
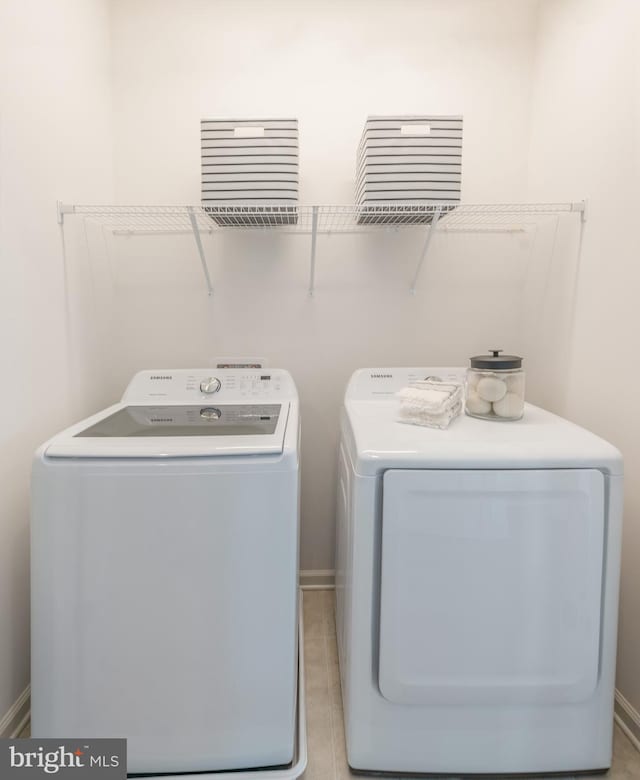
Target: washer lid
[176,431]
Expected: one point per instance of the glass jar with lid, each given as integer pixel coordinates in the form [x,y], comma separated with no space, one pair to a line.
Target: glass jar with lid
[494,388]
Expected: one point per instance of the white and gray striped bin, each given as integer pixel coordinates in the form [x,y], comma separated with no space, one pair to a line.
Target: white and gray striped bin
[250,163]
[409,160]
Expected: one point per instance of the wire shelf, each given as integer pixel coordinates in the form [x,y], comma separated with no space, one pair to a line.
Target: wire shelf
[320,219]
[144,219]
[315,220]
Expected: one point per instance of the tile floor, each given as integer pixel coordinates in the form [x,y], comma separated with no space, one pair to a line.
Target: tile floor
[325,734]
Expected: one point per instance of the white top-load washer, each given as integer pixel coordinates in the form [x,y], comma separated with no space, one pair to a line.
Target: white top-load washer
[164,572]
[477,588]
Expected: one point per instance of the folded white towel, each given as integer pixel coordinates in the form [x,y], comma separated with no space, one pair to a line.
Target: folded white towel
[430,420]
[430,403]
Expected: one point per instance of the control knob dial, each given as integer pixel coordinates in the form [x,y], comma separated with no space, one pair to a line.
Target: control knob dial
[210,385]
[210,413]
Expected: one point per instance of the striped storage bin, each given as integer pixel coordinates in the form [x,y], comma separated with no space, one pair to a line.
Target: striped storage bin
[250,163]
[409,160]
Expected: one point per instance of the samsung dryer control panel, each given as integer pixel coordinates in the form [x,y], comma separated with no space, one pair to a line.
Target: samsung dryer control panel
[379,383]
[222,385]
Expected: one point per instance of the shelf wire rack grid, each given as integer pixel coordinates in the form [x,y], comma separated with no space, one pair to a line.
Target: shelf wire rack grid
[320,219]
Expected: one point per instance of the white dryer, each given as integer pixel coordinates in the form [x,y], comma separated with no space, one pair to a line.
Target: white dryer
[477,588]
[164,572]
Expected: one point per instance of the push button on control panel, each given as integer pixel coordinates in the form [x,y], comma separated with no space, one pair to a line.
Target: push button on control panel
[257,385]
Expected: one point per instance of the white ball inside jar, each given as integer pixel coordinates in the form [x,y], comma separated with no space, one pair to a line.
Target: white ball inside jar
[472,380]
[515,383]
[477,405]
[511,405]
[491,389]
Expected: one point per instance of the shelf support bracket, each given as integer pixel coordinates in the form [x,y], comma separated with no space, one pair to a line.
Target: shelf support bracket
[203,260]
[581,207]
[425,249]
[62,209]
[314,237]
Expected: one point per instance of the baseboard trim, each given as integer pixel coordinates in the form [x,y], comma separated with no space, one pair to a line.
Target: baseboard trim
[317,579]
[17,716]
[628,718]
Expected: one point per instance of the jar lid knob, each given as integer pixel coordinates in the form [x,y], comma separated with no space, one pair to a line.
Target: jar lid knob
[496,361]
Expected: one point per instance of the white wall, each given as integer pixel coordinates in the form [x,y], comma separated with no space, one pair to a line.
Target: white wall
[140,301]
[329,64]
[54,143]
[586,142]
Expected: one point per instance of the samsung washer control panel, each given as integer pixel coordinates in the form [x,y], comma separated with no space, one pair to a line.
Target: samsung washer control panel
[219,385]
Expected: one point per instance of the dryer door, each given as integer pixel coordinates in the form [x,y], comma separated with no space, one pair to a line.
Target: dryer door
[491,586]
